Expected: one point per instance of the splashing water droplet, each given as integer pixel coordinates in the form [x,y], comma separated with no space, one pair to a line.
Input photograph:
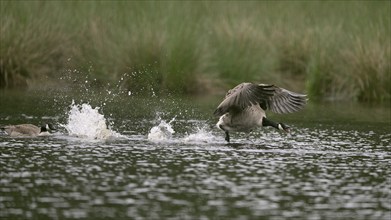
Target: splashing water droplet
[86,122]
[161,132]
[202,135]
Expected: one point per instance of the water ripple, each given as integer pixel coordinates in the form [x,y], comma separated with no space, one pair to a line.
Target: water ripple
[313,173]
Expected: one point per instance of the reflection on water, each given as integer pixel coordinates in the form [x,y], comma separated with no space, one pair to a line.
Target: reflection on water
[327,167]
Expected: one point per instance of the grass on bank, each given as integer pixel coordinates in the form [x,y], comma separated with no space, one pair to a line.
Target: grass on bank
[331,50]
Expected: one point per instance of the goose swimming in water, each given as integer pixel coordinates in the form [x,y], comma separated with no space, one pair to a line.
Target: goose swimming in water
[27,130]
[243,108]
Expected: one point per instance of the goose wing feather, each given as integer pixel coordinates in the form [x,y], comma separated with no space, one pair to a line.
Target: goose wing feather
[284,101]
[244,95]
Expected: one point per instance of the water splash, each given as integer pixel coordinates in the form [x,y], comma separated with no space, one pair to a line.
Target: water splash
[164,132]
[161,132]
[86,122]
[202,135]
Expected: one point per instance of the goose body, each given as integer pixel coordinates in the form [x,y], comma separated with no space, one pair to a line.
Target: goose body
[244,121]
[243,108]
[27,130]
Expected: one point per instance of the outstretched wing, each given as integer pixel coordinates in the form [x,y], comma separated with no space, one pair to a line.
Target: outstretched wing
[244,95]
[284,101]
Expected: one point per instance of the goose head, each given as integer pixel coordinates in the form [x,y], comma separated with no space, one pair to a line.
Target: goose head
[47,128]
[283,127]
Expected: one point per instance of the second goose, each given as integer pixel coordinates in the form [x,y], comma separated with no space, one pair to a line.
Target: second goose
[29,130]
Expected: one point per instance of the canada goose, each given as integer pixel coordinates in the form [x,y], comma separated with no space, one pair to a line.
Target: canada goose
[243,108]
[27,130]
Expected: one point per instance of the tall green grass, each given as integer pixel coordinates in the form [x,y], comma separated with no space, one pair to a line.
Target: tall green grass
[331,50]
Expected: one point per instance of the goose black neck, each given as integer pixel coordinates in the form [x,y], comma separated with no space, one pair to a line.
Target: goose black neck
[267,122]
[43,129]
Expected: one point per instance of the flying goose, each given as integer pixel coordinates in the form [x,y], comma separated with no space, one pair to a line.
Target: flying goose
[25,130]
[243,108]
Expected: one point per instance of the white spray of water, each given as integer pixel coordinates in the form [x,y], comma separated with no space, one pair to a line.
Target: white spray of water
[86,122]
[164,132]
[202,135]
[161,132]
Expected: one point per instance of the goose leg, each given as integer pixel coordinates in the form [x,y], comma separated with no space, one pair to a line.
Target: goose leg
[227,136]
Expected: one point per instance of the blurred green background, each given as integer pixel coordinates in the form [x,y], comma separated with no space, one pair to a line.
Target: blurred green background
[334,50]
